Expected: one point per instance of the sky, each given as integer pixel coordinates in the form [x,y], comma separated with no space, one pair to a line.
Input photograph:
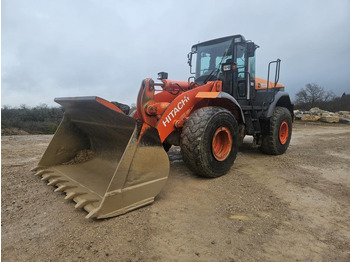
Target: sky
[105,48]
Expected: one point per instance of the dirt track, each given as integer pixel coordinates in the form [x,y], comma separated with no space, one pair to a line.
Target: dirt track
[293,207]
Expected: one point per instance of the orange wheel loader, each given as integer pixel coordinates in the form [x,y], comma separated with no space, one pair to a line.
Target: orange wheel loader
[110,162]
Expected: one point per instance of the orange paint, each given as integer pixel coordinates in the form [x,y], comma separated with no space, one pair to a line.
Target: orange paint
[108,104]
[222,143]
[145,97]
[170,85]
[180,108]
[283,132]
[261,84]
[207,94]
[156,108]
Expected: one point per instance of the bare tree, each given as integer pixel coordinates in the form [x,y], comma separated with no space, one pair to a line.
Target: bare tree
[312,95]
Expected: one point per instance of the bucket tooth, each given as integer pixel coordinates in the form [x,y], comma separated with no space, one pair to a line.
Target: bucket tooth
[42,172]
[56,181]
[93,213]
[47,177]
[84,202]
[35,169]
[72,195]
[62,188]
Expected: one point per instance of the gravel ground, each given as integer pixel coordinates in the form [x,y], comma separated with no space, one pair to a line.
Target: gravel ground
[293,207]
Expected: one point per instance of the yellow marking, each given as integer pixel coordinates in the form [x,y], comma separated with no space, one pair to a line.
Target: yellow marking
[207,94]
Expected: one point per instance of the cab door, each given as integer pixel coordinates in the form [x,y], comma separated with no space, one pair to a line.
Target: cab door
[240,79]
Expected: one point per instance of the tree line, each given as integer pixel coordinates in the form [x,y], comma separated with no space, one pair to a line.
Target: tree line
[37,120]
[45,120]
[314,95]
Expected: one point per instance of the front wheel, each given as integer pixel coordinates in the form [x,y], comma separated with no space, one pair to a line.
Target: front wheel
[209,141]
[277,140]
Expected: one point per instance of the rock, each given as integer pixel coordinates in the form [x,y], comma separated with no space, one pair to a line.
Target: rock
[316,111]
[329,118]
[310,118]
[344,116]
[317,114]
[333,114]
[344,120]
[298,115]
[343,113]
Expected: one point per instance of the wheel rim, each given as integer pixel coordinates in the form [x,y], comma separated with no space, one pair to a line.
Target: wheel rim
[284,132]
[222,143]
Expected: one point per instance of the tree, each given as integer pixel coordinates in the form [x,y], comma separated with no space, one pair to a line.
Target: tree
[38,120]
[312,95]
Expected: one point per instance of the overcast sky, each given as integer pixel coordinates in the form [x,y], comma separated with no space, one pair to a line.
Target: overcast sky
[55,48]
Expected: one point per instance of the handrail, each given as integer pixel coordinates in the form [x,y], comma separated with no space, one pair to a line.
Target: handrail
[277,77]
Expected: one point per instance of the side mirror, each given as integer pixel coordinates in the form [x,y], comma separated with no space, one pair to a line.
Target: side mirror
[251,47]
[189,58]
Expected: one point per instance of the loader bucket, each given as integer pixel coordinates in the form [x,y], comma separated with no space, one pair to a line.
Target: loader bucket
[104,160]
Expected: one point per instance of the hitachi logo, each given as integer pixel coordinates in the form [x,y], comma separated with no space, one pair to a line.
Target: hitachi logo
[176,109]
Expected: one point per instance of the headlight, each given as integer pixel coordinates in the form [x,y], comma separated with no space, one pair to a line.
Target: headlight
[162,75]
[226,67]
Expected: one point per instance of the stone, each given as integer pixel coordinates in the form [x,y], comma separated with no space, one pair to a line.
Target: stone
[344,116]
[329,119]
[316,111]
[344,120]
[298,116]
[297,112]
[343,113]
[310,118]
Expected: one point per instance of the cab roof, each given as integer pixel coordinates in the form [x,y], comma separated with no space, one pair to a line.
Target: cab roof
[219,40]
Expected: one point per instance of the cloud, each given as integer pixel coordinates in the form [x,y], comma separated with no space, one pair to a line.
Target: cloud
[106,48]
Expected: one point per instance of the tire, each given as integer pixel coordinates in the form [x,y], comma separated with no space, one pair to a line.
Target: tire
[209,141]
[277,140]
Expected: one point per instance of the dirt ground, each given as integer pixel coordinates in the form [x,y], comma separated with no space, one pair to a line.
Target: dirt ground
[293,207]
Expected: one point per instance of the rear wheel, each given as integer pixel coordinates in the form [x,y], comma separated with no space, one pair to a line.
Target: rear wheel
[209,141]
[277,140]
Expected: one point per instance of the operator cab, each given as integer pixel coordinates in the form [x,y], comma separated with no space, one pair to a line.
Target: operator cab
[229,59]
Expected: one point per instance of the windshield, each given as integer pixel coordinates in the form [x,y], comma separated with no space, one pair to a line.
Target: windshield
[209,57]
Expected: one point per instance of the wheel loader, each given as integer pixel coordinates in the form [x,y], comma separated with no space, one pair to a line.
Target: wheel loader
[109,162]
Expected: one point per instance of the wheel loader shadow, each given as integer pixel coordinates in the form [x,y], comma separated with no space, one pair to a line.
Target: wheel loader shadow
[180,168]
[249,149]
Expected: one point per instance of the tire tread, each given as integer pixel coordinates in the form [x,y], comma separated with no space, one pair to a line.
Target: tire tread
[191,136]
[270,142]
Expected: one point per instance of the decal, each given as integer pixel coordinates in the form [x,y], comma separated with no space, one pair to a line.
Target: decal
[175,110]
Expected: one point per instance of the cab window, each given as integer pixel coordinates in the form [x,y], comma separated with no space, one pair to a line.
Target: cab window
[241,60]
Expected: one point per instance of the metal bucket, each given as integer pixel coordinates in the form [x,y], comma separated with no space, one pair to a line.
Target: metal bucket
[104,160]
